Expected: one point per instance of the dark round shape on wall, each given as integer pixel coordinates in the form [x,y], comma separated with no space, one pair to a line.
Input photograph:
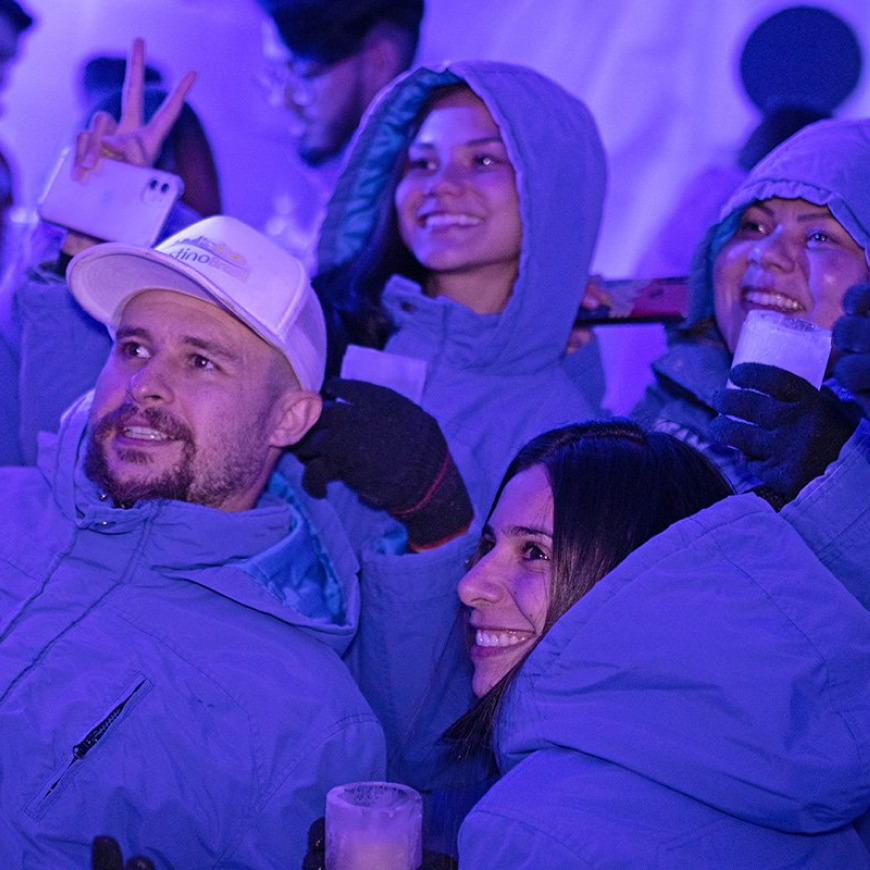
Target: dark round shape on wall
[802,56]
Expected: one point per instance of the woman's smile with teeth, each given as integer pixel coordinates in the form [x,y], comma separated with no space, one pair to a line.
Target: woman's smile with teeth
[441,219]
[500,637]
[771,299]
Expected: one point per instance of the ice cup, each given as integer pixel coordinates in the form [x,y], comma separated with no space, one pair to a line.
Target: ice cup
[789,343]
[373,826]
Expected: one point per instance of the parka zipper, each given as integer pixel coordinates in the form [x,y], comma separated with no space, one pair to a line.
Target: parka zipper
[90,740]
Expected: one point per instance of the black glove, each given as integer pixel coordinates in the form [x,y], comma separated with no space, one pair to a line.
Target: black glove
[437,861]
[792,431]
[392,454]
[106,855]
[315,859]
[852,339]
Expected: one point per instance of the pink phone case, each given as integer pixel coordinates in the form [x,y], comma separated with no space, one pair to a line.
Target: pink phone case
[640,300]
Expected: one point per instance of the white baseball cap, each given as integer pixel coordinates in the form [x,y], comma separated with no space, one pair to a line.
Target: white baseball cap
[223,261]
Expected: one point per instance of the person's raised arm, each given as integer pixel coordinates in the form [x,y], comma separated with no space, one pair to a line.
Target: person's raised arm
[130,140]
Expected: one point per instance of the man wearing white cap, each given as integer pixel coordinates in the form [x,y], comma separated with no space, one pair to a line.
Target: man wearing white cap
[240,337]
[171,628]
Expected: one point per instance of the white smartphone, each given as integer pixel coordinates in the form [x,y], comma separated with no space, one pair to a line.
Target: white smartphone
[116,202]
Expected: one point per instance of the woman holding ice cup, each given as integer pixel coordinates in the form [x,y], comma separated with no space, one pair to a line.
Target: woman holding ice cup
[794,239]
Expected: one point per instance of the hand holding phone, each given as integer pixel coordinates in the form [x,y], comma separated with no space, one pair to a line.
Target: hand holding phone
[115,202]
[104,189]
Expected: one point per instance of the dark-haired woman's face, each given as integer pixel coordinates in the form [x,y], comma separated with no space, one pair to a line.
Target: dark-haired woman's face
[507,590]
[457,202]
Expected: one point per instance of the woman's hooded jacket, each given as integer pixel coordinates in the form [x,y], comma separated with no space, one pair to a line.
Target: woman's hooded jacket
[826,164]
[492,381]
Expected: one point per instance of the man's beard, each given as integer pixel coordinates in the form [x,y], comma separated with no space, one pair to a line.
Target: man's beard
[339,135]
[174,483]
[199,476]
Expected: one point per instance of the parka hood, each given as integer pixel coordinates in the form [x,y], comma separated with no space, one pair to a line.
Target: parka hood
[272,558]
[554,146]
[824,163]
[720,660]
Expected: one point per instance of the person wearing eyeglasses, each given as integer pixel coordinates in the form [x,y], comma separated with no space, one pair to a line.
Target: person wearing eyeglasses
[327,59]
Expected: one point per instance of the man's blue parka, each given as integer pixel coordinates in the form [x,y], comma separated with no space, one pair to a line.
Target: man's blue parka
[170,673]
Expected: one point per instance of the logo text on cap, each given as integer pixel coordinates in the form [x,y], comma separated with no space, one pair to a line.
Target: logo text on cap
[202,251]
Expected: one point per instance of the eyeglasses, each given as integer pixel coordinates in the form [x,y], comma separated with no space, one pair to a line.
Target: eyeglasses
[295,75]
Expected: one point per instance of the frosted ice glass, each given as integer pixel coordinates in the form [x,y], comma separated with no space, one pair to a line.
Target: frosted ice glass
[774,339]
[373,826]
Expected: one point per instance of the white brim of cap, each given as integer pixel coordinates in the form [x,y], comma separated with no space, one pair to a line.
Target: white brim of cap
[104,278]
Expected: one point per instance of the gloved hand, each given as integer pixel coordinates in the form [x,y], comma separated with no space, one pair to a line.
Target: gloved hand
[106,855]
[851,337]
[392,454]
[315,858]
[792,431]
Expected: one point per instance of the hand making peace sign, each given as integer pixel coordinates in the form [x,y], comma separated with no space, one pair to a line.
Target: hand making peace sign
[131,140]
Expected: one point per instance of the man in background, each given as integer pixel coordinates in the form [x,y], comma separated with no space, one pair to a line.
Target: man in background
[329,60]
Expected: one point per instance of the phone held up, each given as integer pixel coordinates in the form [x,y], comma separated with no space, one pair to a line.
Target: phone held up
[639,300]
[116,202]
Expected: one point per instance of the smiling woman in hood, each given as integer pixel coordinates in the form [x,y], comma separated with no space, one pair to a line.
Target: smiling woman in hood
[822,166]
[793,238]
[460,234]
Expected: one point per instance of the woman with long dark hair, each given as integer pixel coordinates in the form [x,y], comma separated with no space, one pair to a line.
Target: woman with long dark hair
[666,677]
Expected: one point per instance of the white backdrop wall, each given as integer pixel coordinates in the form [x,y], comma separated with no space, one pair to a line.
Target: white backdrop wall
[659,75]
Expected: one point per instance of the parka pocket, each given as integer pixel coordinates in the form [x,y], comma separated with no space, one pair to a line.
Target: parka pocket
[85,748]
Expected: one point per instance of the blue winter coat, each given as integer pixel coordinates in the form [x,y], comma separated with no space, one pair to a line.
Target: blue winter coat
[51,352]
[706,705]
[826,164]
[169,674]
[492,381]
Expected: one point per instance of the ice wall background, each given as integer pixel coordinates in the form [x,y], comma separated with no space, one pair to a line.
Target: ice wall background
[659,75]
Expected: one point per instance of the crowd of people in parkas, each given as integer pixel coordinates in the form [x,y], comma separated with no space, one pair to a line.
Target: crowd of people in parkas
[285,530]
